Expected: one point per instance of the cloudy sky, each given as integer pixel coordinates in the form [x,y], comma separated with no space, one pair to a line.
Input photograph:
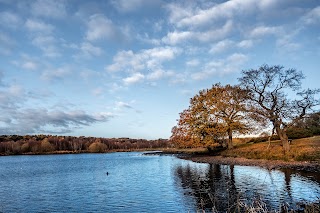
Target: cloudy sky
[126,68]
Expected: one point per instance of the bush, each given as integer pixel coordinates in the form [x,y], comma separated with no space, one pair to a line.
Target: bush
[263,139]
[296,133]
[46,146]
[97,147]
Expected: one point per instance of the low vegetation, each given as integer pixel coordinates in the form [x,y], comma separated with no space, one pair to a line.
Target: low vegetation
[258,206]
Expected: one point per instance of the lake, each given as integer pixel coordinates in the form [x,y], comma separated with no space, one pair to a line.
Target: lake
[133,182]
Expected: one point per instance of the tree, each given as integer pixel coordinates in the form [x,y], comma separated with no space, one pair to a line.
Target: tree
[97,147]
[214,114]
[182,134]
[46,146]
[268,88]
[306,127]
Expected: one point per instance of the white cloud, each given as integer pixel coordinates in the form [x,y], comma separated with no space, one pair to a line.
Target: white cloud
[261,31]
[28,62]
[47,44]
[87,51]
[180,78]
[221,46]
[124,60]
[15,90]
[18,118]
[49,8]
[120,104]
[114,87]
[158,74]
[237,59]
[125,6]
[145,59]
[11,96]
[194,17]
[100,27]
[313,16]
[97,91]
[56,74]
[245,44]
[193,63]
[6,44]
[39,120]
[10,20]
[177,37]
[38,26]
[1,78]
[30,65]
[87,74]
[221,67]
[286,45]
[179,12]
[157,26]
[135,78]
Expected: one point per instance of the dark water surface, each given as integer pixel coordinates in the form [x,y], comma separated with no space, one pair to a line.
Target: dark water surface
[132,182]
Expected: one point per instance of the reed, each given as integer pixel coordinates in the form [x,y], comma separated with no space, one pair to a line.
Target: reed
[259,206]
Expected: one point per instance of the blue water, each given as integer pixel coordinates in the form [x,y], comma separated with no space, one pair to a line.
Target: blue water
[133,182]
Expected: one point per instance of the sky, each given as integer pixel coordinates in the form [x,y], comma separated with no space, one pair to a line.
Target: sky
[126,68]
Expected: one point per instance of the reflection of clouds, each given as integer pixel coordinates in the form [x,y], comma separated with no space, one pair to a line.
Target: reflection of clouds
[221,186]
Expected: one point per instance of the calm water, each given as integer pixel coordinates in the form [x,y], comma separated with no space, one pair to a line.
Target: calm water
[132,182]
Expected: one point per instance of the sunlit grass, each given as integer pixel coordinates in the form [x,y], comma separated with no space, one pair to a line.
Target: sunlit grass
[306,149]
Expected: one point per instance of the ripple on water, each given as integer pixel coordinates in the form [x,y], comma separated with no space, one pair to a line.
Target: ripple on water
[138,183]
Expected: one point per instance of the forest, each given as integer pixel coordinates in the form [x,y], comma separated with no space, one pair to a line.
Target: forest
[49,144]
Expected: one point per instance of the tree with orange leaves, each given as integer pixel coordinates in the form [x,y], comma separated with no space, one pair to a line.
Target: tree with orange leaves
[213,114]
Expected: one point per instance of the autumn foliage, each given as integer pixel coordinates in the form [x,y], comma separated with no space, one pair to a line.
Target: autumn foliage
[260,100]
[213,116]
[41,144]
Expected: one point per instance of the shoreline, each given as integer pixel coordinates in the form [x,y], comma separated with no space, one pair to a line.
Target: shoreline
[267,164]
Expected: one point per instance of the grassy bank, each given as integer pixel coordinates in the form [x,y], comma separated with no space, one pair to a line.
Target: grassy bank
[306,149]
[304,154]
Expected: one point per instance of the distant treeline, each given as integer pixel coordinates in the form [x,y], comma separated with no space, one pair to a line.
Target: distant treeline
[41,144]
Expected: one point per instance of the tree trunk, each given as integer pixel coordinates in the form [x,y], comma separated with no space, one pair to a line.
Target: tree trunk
[284,139]
[230,144]
[269,138]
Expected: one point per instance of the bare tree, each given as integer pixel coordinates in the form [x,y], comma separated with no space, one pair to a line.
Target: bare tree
[269,87]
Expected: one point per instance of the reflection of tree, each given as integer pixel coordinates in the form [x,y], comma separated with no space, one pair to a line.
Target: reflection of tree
[213,189]
[288,173]
[287,180]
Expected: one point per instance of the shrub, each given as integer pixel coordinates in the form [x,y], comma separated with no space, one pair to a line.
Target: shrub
[97,147]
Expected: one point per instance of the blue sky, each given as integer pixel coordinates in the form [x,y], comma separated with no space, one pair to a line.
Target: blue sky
[126,68]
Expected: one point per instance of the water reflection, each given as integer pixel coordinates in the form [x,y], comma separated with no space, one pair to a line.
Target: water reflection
[221,187]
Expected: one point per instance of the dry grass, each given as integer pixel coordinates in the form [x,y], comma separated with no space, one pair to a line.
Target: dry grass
[306,149]
[198,150]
